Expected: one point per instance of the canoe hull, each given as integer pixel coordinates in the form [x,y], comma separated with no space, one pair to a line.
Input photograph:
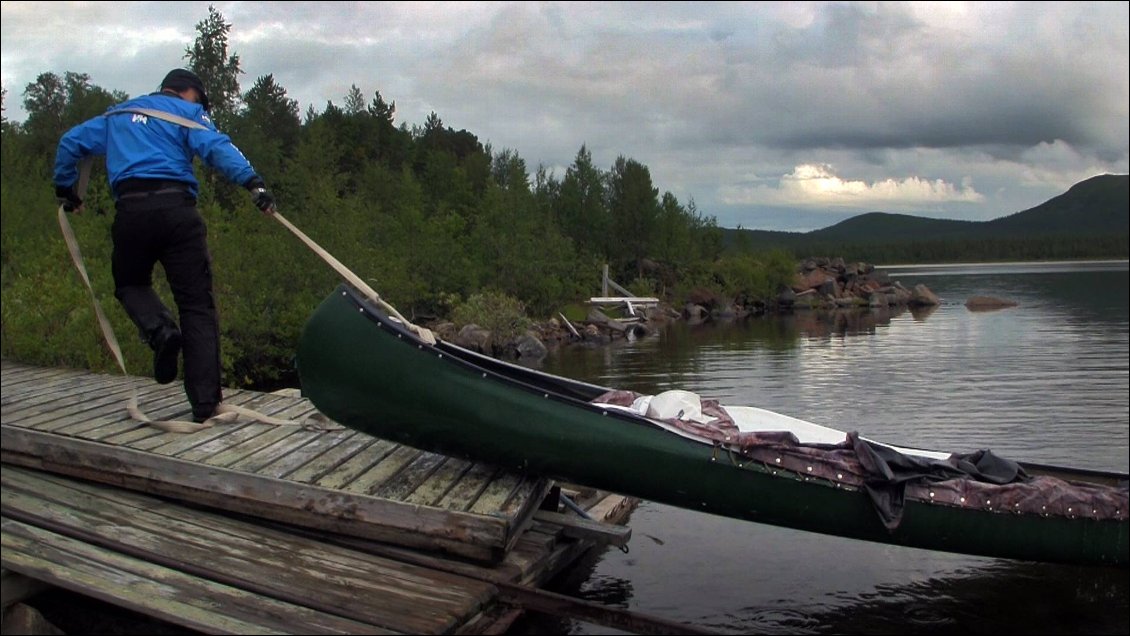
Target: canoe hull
[370,374]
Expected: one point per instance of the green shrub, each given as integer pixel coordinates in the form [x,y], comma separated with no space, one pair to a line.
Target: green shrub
[504,316]
[642,286]
[576,312]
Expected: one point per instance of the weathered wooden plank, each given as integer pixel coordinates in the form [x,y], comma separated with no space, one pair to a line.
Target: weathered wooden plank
[540,536]
[471,485]
[523,503]
[526,490]
[161,592]
[539,554]
[357,465]
[58,500]
[287,464]
[581,528]
[32,381]
[410,477]
[162,404]
[613,508]
[474,536]
[393,463]
[177,443]
[333,457]
[11,370]
[118,420]
[44,410]
[271,445]
[74,421]
[536,562]
[551,558]
[133,436]
[8,365]
[441,481]
[36,391]
[16,378]
[271,435]
[173,443]
[236,435]
[501,571]
[255,462]
[325,577]
[496,494]
[327,459]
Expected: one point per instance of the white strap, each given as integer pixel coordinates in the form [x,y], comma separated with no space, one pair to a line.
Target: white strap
[76,256]
[160,114]
[228,413]
[224,412]
[425,334]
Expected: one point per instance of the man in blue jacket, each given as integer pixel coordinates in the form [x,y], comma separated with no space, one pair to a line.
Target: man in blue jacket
[149,143]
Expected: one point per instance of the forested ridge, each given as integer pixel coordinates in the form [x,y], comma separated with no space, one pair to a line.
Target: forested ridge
[429,216]
[1090,220]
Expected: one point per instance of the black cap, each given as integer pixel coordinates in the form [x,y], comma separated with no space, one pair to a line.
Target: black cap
[180,79]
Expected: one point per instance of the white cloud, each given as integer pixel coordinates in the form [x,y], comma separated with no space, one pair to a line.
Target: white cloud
[963,110]
[817,186]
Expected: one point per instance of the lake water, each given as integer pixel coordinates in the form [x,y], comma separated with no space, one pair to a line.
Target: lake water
[1044,381]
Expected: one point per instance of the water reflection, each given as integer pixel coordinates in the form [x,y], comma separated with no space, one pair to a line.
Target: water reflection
[1045,381]
[1086,290]
[1002,597]
[580,581]
[855,594]
[846,322]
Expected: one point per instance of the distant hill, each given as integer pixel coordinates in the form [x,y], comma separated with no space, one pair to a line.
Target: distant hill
[1098,205]
[881,226]
[1098,208]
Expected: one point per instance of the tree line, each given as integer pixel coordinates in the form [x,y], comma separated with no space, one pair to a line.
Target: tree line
[428,215]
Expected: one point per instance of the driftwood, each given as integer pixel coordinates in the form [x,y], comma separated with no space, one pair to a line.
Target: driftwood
[598,318]
[565,321]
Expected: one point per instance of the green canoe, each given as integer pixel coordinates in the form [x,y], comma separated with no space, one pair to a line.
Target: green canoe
[370,373]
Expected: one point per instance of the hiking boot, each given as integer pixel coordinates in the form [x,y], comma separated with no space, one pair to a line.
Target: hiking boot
[166,353]
[202,412]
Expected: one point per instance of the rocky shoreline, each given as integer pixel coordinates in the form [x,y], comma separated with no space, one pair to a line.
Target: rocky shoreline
[820,284]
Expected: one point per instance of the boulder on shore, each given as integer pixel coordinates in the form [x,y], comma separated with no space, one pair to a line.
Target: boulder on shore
[988,303]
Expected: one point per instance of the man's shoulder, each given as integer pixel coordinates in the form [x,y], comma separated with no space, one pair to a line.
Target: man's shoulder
[162,102]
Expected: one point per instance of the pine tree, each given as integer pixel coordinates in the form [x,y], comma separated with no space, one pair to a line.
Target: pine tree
[208,58]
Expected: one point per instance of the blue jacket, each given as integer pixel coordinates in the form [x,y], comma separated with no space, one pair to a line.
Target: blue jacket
[141,147]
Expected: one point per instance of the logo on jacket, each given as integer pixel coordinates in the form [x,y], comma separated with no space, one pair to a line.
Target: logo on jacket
[138,118]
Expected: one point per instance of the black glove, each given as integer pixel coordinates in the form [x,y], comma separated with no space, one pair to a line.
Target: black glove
[68,198]
[260,195]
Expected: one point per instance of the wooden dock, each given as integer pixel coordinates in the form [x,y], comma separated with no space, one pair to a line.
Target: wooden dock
[259,528]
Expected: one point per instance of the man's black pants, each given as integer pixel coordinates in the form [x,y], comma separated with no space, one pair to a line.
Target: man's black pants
[165,227]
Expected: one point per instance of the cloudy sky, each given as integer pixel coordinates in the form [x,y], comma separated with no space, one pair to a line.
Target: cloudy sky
[782,116]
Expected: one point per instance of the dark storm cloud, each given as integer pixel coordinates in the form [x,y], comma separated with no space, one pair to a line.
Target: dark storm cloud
[961,110]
